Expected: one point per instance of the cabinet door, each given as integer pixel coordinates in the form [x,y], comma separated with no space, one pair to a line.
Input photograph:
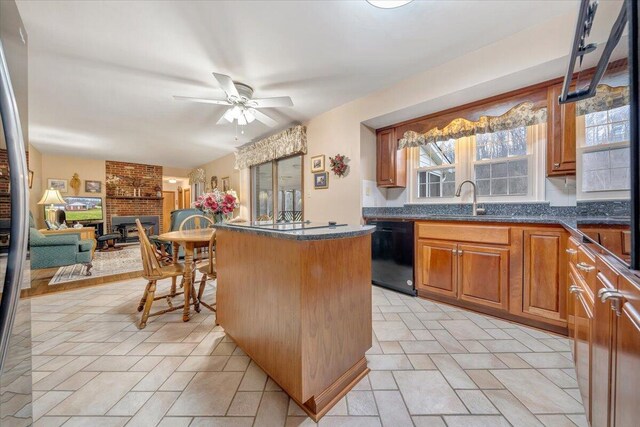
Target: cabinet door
[601,342]
[582,345]
[561,135]
[483,275]
[391,163]
[436,267]
[386,157]
[626,410]
[544,290]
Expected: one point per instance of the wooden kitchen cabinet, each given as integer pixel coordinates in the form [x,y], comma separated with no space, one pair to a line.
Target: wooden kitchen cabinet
[583,318]
[483,275]
[471,273]
[513,271]
[436,267]
[626,351]
[561,135]
[606,337]
[601,341]
[544,287]
[391,163]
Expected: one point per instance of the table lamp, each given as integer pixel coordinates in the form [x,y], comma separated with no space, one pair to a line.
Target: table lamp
[51,197]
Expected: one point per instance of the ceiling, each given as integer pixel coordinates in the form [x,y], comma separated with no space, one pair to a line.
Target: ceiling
[102,74]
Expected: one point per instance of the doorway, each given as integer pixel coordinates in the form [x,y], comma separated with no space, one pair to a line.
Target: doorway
[168,206]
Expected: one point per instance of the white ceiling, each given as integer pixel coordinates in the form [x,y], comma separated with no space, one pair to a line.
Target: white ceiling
[102,74]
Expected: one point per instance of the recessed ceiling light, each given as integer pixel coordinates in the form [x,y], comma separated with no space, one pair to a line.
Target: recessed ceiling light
[173,181]
[388,4]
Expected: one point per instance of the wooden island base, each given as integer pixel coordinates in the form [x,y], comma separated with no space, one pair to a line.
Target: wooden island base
[301,309]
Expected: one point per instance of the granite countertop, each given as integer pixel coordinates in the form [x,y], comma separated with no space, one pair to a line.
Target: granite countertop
[572,223]
[478,218]
[296,231]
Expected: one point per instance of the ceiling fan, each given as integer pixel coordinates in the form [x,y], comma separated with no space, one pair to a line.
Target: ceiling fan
[242,107]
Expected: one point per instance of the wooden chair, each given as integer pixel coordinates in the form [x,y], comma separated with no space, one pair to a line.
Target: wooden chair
[208,270]
[154,271]
[195,222]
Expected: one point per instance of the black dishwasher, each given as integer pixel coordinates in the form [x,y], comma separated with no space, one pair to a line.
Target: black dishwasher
[392,246]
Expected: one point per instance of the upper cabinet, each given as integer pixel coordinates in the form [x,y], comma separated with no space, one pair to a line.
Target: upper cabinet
[391,163]
[561,134]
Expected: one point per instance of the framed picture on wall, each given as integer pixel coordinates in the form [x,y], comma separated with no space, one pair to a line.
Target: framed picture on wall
[92,186]
[226,185]
[62,185]
[317,163]
[321,180]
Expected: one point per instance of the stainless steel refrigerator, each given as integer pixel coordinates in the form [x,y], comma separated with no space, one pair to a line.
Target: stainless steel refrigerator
[15,313]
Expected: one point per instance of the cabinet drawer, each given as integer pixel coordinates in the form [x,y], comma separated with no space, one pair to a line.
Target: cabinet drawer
[572,250]
[586,267]
[495,234]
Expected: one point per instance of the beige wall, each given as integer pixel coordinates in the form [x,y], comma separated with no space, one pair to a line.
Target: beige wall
[223,167]
[63,167]
[35,165]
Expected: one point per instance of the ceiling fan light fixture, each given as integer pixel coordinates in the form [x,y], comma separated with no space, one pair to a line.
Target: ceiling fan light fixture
[388,4]
[233,114]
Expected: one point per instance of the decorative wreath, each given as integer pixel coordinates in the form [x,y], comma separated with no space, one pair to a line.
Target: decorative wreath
[338,164]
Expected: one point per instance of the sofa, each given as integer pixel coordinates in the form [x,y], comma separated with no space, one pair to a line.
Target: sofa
[58,250]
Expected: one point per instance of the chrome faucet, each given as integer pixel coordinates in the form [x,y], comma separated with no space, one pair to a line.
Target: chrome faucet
[475,208]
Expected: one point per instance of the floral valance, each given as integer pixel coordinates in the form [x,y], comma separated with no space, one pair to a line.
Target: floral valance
[286,143]
[606,98]
[524,114]
[197,176]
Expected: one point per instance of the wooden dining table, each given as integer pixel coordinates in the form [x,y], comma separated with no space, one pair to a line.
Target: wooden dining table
[189,240]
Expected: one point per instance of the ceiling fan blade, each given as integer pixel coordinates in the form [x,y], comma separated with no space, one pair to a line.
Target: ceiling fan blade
[226,84]
[278,101]
[203,100]
[222,120]
[263,118]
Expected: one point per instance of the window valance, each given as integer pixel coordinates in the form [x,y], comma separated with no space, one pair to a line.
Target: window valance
[523,114]
[606,98]
[286,143]
[197,176]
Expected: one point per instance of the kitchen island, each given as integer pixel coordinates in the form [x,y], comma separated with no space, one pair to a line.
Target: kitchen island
[296,298]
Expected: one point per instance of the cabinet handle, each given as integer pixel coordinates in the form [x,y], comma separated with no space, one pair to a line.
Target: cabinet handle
[571,251]
[454,251]
[556,165]
[574,289]
[614,297]
[459,252]
[585,267]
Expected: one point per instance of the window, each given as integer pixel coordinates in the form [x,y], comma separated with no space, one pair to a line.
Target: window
[436,171]
[501,163]
[504,165]
[604,151]
[284,179]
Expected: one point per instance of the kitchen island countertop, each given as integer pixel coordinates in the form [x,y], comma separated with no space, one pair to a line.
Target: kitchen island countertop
[299,230]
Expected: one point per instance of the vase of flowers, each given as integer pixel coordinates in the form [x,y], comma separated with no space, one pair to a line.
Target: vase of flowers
[217,205]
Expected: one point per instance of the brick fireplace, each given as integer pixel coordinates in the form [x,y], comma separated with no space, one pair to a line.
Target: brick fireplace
[121,201]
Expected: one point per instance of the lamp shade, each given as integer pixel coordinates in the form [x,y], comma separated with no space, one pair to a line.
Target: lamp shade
[51,197]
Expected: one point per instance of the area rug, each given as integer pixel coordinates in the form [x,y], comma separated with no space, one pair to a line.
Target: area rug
[104,264]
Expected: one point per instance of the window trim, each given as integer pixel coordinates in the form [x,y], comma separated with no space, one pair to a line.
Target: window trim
[465,162]
[274,185]
[582,148]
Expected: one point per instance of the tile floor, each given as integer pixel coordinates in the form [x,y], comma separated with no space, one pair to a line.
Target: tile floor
[431,365]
